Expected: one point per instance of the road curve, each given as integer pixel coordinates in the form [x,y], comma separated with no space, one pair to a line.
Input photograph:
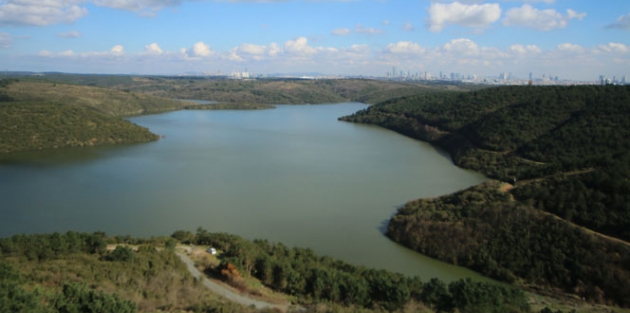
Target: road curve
[225,292]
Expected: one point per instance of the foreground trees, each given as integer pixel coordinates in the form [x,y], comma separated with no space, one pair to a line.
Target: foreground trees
[300,272]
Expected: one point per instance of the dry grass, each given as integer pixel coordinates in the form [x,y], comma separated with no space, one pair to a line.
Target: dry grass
[109,101]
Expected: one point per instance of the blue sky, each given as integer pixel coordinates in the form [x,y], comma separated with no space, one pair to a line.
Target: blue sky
[573,39]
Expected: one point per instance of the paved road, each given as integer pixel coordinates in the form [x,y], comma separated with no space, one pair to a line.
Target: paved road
[225,292]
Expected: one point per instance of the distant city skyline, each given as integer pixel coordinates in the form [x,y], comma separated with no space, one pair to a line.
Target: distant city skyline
[577,40]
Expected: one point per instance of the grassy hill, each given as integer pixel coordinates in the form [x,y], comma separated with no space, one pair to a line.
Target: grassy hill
[565,154]
[42,115]
[261,91]
[107,101]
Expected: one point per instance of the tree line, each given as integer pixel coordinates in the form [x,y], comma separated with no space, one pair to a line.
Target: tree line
[311,278]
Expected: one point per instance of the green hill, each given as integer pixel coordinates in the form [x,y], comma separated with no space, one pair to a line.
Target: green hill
[565,151]
[33,126]
[40,115]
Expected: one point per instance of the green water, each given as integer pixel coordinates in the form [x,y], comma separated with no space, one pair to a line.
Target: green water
[293,174]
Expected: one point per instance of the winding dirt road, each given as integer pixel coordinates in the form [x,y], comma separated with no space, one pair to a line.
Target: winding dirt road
[226,292]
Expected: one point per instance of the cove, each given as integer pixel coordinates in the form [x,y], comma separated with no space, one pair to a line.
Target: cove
[293,174]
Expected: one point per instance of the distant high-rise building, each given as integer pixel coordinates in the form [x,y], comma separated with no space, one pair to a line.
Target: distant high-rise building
[394,71]
[601,80]
[531,77]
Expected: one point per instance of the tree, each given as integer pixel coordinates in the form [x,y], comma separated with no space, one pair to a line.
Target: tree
[121,254]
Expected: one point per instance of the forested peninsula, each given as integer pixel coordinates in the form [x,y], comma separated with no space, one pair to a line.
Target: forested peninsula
[557,217]
[36,115]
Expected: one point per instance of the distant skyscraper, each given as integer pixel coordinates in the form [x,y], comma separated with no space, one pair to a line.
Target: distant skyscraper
[394,71]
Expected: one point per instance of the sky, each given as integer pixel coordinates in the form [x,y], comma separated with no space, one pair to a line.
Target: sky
[571,39]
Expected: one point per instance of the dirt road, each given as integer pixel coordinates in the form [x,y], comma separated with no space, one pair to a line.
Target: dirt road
[226,292]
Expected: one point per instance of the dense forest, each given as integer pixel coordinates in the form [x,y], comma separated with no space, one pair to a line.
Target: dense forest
[564,151]
[74,272]
[483,229]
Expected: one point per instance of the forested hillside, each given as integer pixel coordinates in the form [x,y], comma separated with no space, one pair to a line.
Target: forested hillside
[563,149]
[483,229]
[74,272]
[32,126]
[41,115]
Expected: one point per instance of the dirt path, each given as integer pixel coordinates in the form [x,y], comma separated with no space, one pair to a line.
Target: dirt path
[505,187]
[588,230]
[226,292]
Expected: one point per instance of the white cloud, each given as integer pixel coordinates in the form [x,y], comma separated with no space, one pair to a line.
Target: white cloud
[144,7]
[474,15]
[153,49]
[404,47]
[252,49]
[198,50]
[569,47]
[299,46]
[247,51]
[545,20]
[360,29]
[386,22]
[117,50]
[523,50]
[70,34]
[408,27]
[623,22]
[461,46]
[273,49]
[5,40]
[613,47]
[40,13]
[69,53]
[341,31]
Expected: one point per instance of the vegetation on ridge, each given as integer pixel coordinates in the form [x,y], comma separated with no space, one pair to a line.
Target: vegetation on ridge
[565,151]
[56,272]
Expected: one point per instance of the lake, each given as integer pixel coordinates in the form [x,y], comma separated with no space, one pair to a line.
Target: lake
[293,174]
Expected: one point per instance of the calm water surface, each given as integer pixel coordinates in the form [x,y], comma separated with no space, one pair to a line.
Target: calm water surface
[293,174]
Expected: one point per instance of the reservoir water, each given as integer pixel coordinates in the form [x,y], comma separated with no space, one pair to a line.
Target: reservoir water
[293,174]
